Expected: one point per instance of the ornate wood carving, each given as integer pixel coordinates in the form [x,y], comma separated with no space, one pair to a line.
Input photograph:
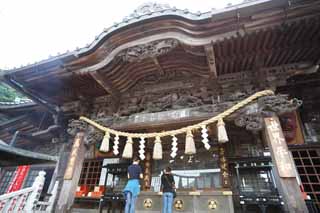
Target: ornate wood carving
[75,126]
[148,50]
[93,136]
[148,8]
[278,104]
[252,122]
[267,106]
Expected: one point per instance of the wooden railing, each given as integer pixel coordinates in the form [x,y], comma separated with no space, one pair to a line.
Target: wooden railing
[27,200]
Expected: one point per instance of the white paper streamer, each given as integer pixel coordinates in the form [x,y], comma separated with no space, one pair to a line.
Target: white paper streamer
[174,148]
[205,139]
[141,149]
[116,145]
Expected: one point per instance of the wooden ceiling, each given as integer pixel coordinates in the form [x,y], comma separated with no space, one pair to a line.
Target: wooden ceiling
[270,38]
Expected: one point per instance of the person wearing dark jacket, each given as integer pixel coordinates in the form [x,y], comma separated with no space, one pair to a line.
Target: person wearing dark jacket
[167,188]
[132,188]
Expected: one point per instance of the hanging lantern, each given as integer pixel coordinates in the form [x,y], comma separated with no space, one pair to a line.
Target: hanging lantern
[116,145]
[128,149]
[141,149]
[190,147]
[157,149]
[205,140]
[105,143]
[174,147]
[222,133]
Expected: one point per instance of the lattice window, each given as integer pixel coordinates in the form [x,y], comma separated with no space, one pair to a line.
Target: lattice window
[308,165]
[6,178]
[31,177]
[90,174]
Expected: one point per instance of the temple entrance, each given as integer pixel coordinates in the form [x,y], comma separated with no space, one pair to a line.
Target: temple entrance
[235,176]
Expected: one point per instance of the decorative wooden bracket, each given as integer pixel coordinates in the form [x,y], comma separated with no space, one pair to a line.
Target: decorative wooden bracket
[211,60]
[107,86]
[258,74]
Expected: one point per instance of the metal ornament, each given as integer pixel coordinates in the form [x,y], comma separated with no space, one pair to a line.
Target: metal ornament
[178,205]
[147,203]
[212,204]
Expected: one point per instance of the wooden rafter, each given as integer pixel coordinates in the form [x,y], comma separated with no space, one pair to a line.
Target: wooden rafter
[211,60]
[13,121]
[156,62]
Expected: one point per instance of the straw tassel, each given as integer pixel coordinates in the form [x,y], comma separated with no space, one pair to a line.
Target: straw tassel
[222,133]
[105,145]
[128,149]
[157,149]
[190,147]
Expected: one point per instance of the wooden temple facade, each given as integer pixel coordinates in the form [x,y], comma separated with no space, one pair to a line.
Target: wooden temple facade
[161,69]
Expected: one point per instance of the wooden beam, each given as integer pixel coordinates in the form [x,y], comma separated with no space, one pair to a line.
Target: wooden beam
[13,121]
[31,94]
[211,60]
[107,86]
[156,62]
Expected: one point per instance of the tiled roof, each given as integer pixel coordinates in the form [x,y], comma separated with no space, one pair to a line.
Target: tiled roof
[144,12]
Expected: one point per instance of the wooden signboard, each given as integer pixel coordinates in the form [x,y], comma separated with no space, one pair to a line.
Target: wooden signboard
[224,168]
[279,148]
[72,159]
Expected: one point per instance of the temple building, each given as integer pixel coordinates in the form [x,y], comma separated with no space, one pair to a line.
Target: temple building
[228,98]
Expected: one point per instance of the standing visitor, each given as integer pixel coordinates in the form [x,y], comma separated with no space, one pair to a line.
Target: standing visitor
[168,190]
[132,188]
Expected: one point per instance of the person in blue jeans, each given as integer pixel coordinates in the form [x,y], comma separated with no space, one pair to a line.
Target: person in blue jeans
[132,189]
[167,188]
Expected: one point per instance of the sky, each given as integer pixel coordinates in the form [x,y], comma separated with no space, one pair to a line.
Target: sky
[32,30]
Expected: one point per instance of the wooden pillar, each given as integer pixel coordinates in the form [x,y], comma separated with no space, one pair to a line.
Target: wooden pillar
[225,180]
[59,171]
[72,174]
[284,167]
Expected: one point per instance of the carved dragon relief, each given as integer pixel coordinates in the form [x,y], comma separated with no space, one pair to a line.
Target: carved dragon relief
[250,117]
[92,135]
[149,50]
[278,104]
[75,126]
[267,106]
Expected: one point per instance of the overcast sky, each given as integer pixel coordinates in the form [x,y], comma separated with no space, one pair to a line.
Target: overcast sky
[31,30]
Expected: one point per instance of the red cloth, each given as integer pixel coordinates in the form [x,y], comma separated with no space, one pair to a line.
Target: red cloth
[18,179]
